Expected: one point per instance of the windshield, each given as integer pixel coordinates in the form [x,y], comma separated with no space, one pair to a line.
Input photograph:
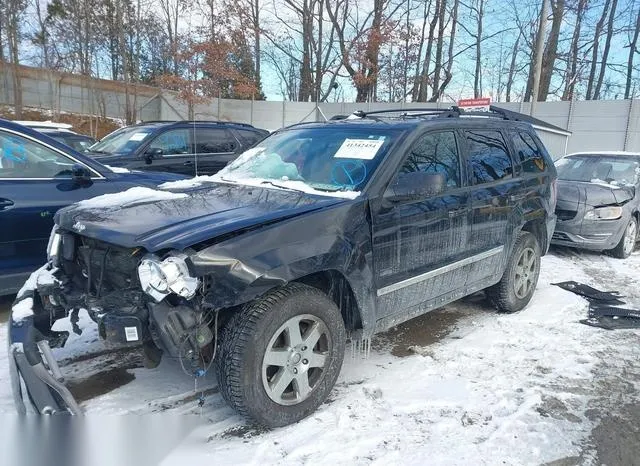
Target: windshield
[122,141]
[329,159]
[616,171]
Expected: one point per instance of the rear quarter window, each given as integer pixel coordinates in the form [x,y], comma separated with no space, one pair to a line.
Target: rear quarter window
[488,156]
[529,153]
[250,137]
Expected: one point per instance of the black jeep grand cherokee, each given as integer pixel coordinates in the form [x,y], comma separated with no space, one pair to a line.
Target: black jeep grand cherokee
[325,231]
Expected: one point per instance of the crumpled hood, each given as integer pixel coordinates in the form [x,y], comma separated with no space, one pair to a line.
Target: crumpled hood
[159,219]
[592,194]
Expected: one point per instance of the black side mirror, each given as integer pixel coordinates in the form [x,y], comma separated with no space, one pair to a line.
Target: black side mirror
[152,153]
[416,185]
[81,175]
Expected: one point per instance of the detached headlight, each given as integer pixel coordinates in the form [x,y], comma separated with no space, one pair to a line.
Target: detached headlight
[160,278]
[604,213]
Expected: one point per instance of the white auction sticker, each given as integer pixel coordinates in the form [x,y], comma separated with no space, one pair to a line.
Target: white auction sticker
[131,333]
[138,136]
[365,149]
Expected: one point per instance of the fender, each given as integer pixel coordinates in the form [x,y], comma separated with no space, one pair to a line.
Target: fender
[246,266]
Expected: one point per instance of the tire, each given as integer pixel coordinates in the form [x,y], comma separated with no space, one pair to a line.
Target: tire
[259,348]
[628,241]
[512,293]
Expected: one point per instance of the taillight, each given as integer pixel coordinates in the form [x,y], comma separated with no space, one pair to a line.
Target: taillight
[554,193]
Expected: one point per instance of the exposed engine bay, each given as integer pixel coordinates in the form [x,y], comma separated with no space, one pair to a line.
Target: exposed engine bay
[131,297]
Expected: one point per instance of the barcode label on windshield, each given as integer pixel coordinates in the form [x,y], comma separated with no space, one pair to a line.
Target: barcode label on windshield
[365,149]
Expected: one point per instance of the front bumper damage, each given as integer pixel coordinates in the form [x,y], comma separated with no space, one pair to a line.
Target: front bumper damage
[34,373]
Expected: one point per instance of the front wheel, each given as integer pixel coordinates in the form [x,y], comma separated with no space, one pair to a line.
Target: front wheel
[628,241]
[514,291]
[281,355]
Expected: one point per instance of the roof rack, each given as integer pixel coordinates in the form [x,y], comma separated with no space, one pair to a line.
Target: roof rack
[456,112]
[219,122]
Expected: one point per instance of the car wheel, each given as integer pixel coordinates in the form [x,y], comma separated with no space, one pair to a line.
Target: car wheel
[628,241]
[514,291]
[281,355]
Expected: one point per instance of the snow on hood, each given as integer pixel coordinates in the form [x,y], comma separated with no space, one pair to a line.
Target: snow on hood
[189,183]
[605,184]
[129,197]
[23,306]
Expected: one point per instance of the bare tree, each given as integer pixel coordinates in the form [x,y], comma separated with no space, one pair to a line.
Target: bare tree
[571,73]
[607,47]
[551,49]
[594,50]
[633,49]
[12,14]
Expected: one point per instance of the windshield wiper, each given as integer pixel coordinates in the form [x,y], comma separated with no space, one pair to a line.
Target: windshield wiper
[98,151]
[282,186]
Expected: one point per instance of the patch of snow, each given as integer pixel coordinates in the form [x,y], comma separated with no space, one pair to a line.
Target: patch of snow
[118,169]
[189,183]
[130,196]
[42,276]
[22,309]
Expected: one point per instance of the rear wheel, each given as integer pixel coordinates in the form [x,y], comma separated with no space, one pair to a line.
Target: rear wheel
[628,241]
[514,291]
[281,355]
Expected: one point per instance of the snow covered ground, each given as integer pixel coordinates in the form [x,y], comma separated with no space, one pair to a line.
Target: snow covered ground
[460,385]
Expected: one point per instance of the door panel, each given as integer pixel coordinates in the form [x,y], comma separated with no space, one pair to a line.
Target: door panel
[215,147]
[177,152]
[492,197]
[415,240]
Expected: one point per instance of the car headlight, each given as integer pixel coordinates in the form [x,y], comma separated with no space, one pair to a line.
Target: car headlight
[160,278]
[604,213]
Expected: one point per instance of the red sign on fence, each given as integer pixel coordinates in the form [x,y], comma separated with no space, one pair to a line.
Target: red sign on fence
[481,103]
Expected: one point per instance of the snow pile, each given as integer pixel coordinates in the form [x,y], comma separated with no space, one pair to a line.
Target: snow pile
[131,196]
[118,169]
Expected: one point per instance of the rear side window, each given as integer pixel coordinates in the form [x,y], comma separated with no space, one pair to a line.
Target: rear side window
[435,153]
[488,156]
[214,140]
[250,137]
[529,153]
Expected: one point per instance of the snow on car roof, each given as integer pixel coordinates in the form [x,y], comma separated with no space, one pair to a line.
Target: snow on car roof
[44,124]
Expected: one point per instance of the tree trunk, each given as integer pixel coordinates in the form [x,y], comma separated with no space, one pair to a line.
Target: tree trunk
[572,65]
[477,81]
[633,49]
[594,52]
[424,78]
[512,69]
[439,46]
[607,47]
[551,50]
[416,79]
[448,74]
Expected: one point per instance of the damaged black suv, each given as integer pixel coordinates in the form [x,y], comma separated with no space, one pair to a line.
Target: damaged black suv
[323,233]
